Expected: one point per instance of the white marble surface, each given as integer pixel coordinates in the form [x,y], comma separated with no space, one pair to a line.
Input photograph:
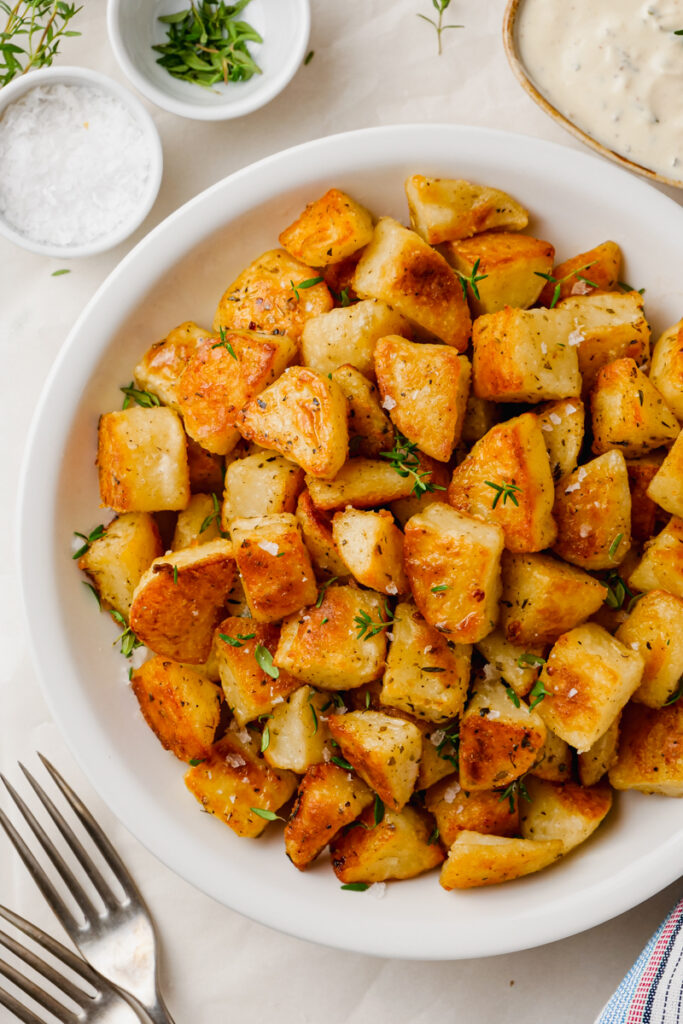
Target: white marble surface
[375,63]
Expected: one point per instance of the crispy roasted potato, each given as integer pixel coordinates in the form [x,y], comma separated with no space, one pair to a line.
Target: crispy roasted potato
[453,565]
[400,846]
[643,508]
[316,527]
[650,756]
[593,513]
[425,389]
[297,733]
[371,546]
[655,629]
[593,763]
[480,416]
[260,485]
[508,268]
[555,764]
[458,810]
[384,750]
[160,368]
[399,268]
[562,423]
[206,469]
[513,662]
[595,270]
[116,560]
[444,209]
[348,335]
[628,411]
[566,812]
[328,798]
[661,566]
[368,483]
[666,486]
[142,460]
[330,229]
[274,564]
[198,523]
[179,600]
[475,859]
[180,705]
[607,327]
[506,479]
[666,370]
[370,429]
[250,689]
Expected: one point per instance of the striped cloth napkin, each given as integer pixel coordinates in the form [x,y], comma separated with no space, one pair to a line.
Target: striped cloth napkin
[652,991]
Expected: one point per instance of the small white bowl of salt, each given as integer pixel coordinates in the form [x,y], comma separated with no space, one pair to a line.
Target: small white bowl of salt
[80,162]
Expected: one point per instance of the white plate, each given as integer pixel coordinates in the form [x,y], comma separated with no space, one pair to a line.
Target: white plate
[178,272]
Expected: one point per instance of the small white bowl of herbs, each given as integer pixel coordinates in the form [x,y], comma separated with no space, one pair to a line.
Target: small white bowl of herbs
[207,59]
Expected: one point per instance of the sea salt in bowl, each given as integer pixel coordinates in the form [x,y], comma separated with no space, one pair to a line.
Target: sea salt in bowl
[80,162]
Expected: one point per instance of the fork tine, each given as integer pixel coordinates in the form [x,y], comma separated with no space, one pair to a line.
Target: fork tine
[56,902]
[19,1011]
[39,965]
[77,848]
[65,872]
[36,993]
[96,834]
[60,952]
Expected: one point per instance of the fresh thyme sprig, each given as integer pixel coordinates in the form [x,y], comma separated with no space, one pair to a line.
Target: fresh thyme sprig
[512,792]
[224,343]
[558,282]
[538,693]
[32,34]
[303,285]
[144,398]
[405,460]
[676,695]
[472,280]
[617,592]
[128,640]
[614,546]
[367,628]
[440,6]
[528,660]
[87,540]
[213,517]
[449,744]
[504,491]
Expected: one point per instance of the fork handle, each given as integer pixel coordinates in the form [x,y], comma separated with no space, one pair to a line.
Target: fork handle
[158,1013]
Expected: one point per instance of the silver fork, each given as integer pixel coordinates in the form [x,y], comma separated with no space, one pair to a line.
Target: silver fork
[118,939]
[102,1005]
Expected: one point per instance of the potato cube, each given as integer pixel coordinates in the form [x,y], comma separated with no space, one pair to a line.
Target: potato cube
[666,370]
[242,648]
[425,387]
[524,355]
[443,209]
[666,487]
[234,781]
[371,546]
[179,600]
[384,750]
[367,483]
[266,297]
[453,566]
[593,513]
[600,757]
[116,560]
[628,411]
[328,798]
[607,327]
[588,678]
[323,645]
[142,460]
[370,429]
[330,229]
[198,523]
[499,742]
[655,629]
[400,846]
[562,423]
[543,597]
[476,859]
[302,416]
[458,810]
[480,416]
[399,268]
[506,479]
[650,756]
[160,368]
[274,564]
[508,269]
[180,705]
[206,469]
[643,508]
[661,566]
[555,764]
[297,731]
[349,334]
[426,675]
[262,484]
[514,662]
[316,527]
[566,812]
[595,270]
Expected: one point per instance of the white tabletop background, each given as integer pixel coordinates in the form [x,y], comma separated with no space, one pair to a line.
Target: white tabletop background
[375,63]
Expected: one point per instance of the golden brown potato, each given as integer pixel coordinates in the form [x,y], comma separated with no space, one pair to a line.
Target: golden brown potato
[628,411]
[655,629]
[643,508]
[650,756]
[588,678]
[243,649]
[524,355]
[161,366]
[180,705]
[384,750]
[444,209]
[367,483]
[666,486]
[328,798]
[666,370]
[499,742]
[234,781]
[600,757]
[142,460]
[506,479]
[330,229]
[662,563]
[453,565]
[399,268]
[316,527]
[566,812]
[198,523]
[607,327]
[425,389]
[339,279]
[179,600]
[480,416]
[261,484]
[562,423]
[267,296]
[370,429]
[302,416]
[543,597]
[458,810]
[296,734]
[507,268]
[514,662]
[476,859]
[274,564]
[371,546]
[555,764]
[595,270]
[206,469]
[593,513]
[426,675]
[400,846]
[116,560]
[349,334]
[323,645]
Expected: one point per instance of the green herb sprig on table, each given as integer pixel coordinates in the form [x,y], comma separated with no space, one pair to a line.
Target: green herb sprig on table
[207,44]
[31,35]
[440,6]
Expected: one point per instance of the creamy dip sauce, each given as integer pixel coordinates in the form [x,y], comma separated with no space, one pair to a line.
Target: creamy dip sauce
[614,68]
